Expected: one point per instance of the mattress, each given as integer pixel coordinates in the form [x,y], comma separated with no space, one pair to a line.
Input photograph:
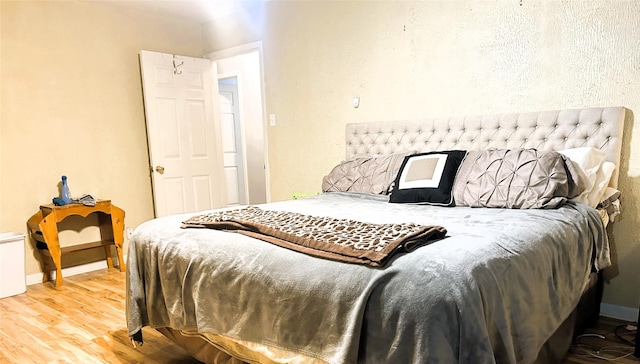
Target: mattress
[494,289]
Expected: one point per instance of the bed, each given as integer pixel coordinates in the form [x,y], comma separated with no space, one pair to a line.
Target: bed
[504,277]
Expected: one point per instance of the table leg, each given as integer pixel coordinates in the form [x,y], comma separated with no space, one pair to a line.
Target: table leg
[49,229]
[117,220]
[36,234]
[46,274]
[112,227]
[107,253]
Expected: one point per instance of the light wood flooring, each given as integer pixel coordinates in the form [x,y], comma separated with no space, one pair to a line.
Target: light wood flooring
[81,322]
[84,322]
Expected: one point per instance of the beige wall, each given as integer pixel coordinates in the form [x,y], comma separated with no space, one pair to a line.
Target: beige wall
[72,104]
[408,60]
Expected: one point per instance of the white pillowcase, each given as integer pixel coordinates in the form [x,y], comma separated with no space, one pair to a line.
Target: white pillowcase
[593,169]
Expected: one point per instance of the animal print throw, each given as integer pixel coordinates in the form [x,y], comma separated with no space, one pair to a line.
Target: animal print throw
[338,239]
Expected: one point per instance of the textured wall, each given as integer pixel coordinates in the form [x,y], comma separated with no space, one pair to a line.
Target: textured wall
[72,104]
[408,60]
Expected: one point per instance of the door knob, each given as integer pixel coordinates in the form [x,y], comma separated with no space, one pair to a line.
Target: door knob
[160,169]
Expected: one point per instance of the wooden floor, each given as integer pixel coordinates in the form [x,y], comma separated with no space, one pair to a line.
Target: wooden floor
[84,322]
[81,322]
[611,341]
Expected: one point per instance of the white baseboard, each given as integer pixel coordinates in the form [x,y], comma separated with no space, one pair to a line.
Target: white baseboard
[71,271]
[619,312]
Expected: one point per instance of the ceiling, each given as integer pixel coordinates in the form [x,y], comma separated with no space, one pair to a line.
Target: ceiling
[194,10]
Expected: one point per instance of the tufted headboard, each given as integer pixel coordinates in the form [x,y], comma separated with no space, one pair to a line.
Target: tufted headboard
[546,130]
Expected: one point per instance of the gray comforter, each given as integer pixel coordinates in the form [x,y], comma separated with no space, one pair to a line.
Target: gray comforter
[493,290]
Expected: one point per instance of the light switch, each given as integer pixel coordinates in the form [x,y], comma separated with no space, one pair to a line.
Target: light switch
[272,119]
[356,102]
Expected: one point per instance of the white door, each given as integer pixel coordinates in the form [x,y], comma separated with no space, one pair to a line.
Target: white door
[184,137]
[232,141]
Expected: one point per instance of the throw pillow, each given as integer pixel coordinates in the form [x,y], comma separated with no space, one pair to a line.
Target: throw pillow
[427,178]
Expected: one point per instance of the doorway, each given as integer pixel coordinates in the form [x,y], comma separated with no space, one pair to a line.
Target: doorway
[232,144]
[242,66]
[192,168]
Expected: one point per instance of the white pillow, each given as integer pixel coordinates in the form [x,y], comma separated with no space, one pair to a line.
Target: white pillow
[602,182]
[595,171]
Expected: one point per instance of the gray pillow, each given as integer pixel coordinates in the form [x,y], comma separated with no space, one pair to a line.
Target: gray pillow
[367,174]
[518,179]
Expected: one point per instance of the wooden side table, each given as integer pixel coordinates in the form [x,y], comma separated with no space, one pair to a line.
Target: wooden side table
[43,228]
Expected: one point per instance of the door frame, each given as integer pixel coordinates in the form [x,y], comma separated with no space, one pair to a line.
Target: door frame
[236,51]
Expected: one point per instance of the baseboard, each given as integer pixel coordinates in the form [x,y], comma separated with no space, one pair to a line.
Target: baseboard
[71,271]
[619,312]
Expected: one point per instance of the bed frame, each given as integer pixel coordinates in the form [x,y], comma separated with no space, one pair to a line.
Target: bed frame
[600,128]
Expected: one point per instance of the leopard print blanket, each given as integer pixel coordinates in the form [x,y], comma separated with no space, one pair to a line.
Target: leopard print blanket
[338,239]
